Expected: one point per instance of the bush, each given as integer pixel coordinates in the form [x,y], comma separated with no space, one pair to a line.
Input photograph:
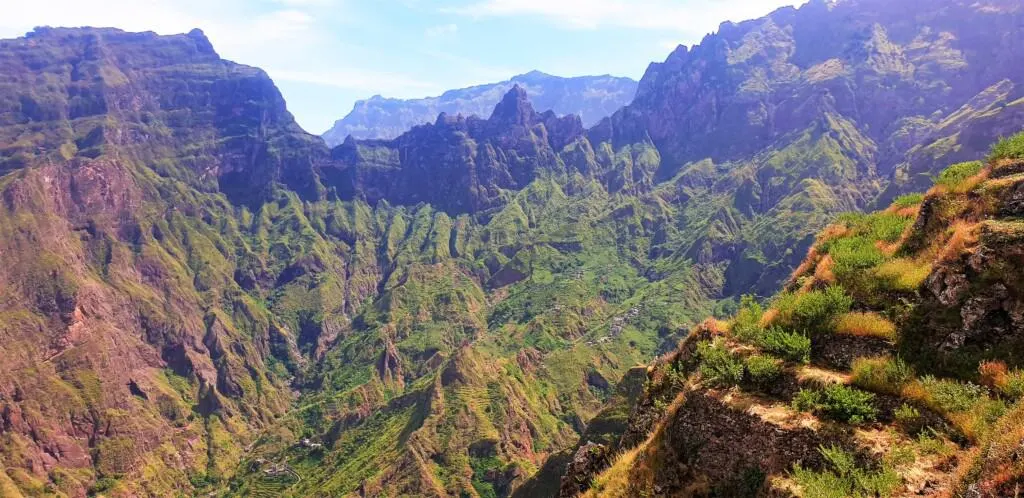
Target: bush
[717,364]
[854,254]
[1014,388]
[815,311]
[884,375]
[838,402]
[763,370]
[949,396]
[1008,148]
[747,324]
[843,478]
[908,200]
[789,346]
[866,325]
[957,174]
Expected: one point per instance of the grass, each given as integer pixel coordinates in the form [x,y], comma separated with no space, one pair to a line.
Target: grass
[955,177]
[883,375]
[866,324]
[904,274]
[814,311]
[908,200]
[1008,148]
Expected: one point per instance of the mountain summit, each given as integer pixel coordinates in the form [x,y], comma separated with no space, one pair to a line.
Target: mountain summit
[591,97]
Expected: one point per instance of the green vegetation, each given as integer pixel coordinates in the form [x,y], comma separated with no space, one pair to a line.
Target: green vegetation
[845,479]
[718,365]
[1008,148]
[954,176]
[812,312]
[763,370]
[838,402]
[882,375]
[790,346]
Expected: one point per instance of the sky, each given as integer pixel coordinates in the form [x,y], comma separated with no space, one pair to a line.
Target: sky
[326,54]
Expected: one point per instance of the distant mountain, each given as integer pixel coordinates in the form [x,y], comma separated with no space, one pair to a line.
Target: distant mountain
[590,97]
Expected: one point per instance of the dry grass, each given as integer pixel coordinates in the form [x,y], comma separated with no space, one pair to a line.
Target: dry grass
[866,325]
[807,265]
[823,272]
[769,316]
[904,274]
[994,374]
[962,235]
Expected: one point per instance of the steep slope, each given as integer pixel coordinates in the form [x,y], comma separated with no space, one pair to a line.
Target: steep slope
[890,366]
[229,306]
[590,97]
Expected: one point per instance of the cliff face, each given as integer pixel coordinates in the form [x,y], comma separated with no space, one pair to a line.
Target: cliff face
[197,296]
[590,97]
[458,164]
[911,337]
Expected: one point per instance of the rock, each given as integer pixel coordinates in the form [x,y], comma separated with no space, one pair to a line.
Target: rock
[589,461]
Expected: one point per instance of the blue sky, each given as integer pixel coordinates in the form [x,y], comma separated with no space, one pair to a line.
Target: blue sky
[326,54]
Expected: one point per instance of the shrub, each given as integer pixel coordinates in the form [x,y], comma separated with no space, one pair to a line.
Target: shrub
[717,364]
[908,200]
[789,346]
[815,311]
[853,254]
[994,374]
[884,375]
[954,176]
[843,478]
[1008,148]
[903,274]
[838,402]
[1014,388]
[747,324]
[763,370]
[866,325]
[949,396]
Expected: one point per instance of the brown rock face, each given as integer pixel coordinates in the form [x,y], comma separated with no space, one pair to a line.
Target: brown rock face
[589,461]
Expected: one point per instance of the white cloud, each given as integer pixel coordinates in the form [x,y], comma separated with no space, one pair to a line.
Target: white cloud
[674,15]
[354,78]
[442,31]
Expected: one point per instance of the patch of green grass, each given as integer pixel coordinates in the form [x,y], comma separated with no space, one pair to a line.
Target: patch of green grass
[955,175]
[747,324]
[908,200]
[1008,148]
[883,375]
[813,312]
[951,396]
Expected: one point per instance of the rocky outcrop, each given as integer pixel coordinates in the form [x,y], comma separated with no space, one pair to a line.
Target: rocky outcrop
[589,461]
[590,97]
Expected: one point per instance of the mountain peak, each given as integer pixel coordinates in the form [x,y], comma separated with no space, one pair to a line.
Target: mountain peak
[514,108]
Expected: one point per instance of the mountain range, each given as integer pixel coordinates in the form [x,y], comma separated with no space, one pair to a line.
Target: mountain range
[590,97]
[198,297]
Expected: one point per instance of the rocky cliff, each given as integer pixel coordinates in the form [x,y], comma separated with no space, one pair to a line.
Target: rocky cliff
[590,97]
[890,365]
[203,298]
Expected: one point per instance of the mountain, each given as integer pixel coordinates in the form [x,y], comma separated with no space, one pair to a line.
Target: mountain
[590,97]
[889,366]
[201,298]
